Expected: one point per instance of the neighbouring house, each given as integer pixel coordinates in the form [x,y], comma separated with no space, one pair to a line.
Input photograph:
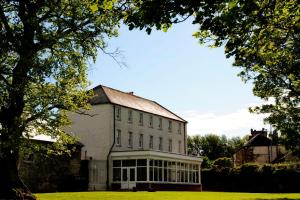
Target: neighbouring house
[134,143]
[258,149]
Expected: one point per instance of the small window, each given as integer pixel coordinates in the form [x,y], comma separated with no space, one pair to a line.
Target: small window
[141,121]
[160,123]
[179,128]
[151,142]
[118,138]
[160,146]
[129,116]
[179,146]
[170,126]
[151,121]
[118,113]
[130,139]
[141,141]
[170,145]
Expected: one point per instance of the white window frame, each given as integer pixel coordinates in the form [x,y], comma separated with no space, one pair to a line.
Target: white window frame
[141,141]
[141,120]
[130,116]
[160,144]
[170,126]
[118,138]
[151,121]
[130,139]
[118,113]
[170,145]
[151,141]
[160,123]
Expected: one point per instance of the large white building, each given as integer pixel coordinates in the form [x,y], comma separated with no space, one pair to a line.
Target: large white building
[132,142]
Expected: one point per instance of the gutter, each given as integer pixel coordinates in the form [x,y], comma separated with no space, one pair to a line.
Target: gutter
[110,150]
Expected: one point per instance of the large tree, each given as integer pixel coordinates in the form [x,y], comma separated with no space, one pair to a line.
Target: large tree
[44,50]
[263,37]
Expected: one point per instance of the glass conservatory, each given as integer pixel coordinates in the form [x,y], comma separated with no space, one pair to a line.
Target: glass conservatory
[150,169]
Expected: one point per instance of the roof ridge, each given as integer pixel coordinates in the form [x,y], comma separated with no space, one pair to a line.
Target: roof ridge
[126,93]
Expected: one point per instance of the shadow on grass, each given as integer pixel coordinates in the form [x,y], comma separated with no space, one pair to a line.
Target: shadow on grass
[276,199]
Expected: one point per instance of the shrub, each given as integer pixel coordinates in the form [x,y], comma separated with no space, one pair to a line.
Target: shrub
[223,162]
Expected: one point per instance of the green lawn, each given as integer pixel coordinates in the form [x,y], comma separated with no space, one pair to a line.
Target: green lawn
[166,196]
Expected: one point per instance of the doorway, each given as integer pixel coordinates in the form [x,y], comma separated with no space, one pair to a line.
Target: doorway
[128,180]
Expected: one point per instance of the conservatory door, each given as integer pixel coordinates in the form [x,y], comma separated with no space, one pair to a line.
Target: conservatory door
[128,177]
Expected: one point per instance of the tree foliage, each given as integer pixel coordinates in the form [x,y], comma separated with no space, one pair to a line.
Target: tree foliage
[213,146]
[262,36]
[45,47]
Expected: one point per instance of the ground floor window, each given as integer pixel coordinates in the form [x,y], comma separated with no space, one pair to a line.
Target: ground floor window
[158,171]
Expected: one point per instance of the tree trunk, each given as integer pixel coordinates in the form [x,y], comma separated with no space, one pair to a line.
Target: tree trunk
[11,186]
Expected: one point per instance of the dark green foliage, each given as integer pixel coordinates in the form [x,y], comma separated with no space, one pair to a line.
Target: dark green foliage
[223,162]
[206,163]
[214,146]
[253,178]
[262,36]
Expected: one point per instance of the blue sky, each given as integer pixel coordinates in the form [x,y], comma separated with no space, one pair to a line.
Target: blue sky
[194,81]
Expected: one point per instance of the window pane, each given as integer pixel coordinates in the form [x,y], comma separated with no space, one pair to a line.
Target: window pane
[128,163]
[117,163]
[132,174]
[124,176]
[141,162]
[116,174]
[141,173]
[151,173]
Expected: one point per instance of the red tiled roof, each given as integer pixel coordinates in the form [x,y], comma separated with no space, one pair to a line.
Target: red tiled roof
[105,94]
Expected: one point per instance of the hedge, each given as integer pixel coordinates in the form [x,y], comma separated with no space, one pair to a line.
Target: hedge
[252,178]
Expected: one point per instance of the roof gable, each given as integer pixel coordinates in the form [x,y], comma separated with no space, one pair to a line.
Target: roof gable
[105,94]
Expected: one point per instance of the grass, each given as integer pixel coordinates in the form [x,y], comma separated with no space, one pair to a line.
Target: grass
[166,196]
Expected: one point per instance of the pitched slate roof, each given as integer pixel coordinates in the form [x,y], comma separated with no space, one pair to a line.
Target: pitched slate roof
[258,140]
[103,94]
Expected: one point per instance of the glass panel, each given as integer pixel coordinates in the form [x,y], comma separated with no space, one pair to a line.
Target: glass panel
[117,163]
[142,162]
[165,175]
[116,174]
[141,173]
[165,163]
[124,175]
[132,174]
[155,174]
[159,163]
[151,173]
[128,163]
[151,162]
[160,174]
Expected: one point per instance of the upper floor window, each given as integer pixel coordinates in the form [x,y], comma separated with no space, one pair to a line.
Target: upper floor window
[170,145]
[130,139]
[179,128]
[179,146]
[151,142]
[141,141]
[141,121]
[170,126]
[118,138]
[118,113]
[160,144]
[129,116]
[150,121]
[160,123]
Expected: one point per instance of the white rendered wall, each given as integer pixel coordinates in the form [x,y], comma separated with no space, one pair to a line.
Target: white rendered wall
[148,131]
[96,132]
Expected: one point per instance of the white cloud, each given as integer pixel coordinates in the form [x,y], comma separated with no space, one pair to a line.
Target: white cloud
[237,123]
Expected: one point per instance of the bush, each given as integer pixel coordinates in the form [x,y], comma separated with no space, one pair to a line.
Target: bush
[252,178]
[223,162]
